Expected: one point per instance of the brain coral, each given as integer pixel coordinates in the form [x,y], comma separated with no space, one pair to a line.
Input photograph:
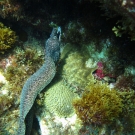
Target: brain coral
[58,99]
[7,37]
[75,70]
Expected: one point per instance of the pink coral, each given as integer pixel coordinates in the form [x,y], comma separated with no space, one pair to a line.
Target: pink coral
[98,74]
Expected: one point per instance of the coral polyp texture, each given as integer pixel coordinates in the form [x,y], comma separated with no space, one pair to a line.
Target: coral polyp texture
[58,100]
[7,37]
[98,105]
[76,71]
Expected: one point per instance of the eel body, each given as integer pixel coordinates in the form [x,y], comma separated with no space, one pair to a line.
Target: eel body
[39,80]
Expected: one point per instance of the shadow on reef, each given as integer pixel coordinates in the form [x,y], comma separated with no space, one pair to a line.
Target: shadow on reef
[39,14]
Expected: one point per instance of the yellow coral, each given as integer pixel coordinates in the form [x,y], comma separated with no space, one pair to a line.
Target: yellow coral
[98,105]
[75,70]
[58,100]
[7,37]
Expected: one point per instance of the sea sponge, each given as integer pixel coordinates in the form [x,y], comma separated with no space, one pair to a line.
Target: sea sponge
[7,38]
[76,71]
[58,99]
[98,105]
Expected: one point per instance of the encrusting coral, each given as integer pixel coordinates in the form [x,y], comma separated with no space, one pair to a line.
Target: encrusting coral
[76,71]
[98,105]
[7,37]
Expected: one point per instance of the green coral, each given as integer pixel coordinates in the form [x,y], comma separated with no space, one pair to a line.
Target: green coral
[98,105]
[58,99]
[7,37]
[76,72]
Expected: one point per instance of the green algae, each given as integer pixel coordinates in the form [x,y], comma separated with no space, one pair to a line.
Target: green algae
[99,105]
[7,38]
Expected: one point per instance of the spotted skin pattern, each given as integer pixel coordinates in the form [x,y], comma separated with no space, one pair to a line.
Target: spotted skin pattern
[39,80]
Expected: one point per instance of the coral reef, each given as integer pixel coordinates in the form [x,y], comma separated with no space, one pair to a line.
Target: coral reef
[127,118]
[125,83]
[22,64]
[58,100]
[75,70]
[91,31]
[10,8]
[53,125]
[8,122]
[128,123]
[16,68]
[128,99]
[55,111]
[99,105]
[104,55]
[75,33]
[125,26]
[123,11]
[7,38]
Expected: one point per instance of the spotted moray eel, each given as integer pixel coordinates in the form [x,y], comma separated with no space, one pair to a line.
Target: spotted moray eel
[40,79]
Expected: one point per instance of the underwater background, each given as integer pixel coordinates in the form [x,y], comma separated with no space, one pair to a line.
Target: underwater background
[93,90]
